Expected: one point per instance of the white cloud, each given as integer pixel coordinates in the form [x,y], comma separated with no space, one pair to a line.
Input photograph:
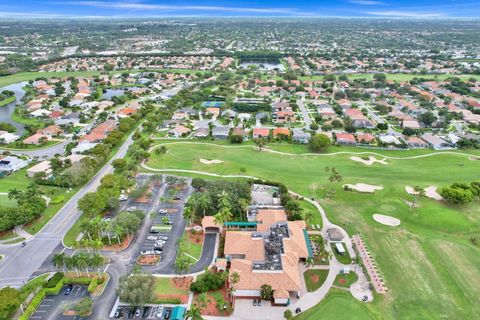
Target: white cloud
[405,14]
[367,2]
[158,7]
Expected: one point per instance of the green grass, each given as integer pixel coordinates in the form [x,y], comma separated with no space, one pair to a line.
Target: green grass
[16,240]
[308,207]
[5,202]
[400,76]
[17,180]
[346,280]
[164,286]
[14,146]
[339,305]
[342,258]
[8,100]
[192,248]
[311,285]
[26,76]
[26,121]
[418,256]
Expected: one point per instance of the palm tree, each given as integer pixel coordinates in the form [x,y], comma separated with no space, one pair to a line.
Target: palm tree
[234,279]
[222,216]
[97,261]
[14,194]
[81,262]
[194,313]
[203,202]
[308,216]
[188,213]
[202,300]
[86,228]
[58,261]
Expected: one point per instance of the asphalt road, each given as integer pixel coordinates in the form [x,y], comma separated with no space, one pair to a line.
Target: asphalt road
[304,110]
[20,263]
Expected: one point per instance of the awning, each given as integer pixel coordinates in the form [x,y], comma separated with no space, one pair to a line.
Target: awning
[178,313]
[309,245]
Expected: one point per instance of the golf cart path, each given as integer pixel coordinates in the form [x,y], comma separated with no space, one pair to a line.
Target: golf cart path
[323,154]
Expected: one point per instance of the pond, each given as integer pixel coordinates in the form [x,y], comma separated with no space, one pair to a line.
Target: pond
[109,93]
[263,65]
[7,110]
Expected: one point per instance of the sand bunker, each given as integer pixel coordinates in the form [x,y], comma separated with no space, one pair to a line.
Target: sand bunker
[371,160]
[205,161]
[364,188]
[386,220]
[430,192]
[474,158]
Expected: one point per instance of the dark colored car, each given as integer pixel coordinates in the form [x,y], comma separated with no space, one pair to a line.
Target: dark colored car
[68,290]
[168,312]
[177,198]
[146,312]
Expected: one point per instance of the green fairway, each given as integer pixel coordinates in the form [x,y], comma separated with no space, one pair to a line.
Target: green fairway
[26,76]
[400,76]
[418,257]
[338,305]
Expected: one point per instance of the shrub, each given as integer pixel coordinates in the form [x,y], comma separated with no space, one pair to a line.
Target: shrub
[33,305]
[81,281]
[52,282]
[168,301]
[92,286]
[207,282]
[58,199]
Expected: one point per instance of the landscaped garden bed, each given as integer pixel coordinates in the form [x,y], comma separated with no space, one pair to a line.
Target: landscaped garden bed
[172,290]
[148,259]
[314,278]
[346,279]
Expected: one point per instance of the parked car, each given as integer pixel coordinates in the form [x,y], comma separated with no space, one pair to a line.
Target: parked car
[131,209]
[168,223]
[177,198]
[162,211]
[164,238]
[159,312]
[123,197]
[152,238]
[156,251]
[168,312]
[68,290]
[153,230]
[138,312]
[145,252]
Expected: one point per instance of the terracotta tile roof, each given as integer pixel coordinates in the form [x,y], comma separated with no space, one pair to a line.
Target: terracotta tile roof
[241,243]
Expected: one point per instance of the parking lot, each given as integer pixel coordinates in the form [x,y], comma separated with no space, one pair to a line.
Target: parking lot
[167,226]
[52,307]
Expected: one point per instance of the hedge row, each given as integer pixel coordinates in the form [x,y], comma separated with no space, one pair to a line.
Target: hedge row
[52,282]
[33,305]
[168,301]
[92,286]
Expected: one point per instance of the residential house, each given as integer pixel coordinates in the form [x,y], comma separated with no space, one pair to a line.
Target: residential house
[220,133]
[411,124]
[359,119]
[10,164]
[281,133]
[7,137]
[202,132]
[240,132]
[83,146]
[301,136]
[416,143]
[435,142]
[37,138]
[346,139]
[43,166]
[52,130]
[365,138]
[179,131]
[260,133]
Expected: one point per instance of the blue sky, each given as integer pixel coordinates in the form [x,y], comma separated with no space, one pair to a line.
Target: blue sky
[433,9]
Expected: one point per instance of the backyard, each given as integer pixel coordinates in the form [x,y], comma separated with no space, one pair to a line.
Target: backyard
[417,256]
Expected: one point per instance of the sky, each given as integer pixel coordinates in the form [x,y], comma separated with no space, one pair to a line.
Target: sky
[406,9]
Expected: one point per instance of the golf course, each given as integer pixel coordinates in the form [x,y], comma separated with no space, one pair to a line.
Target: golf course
[430,266]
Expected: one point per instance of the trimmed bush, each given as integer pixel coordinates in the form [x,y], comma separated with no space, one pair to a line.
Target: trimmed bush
[55,290]
[33,305]
[81,281]
[207,282]
[92,286]
[52,282]
[168,301]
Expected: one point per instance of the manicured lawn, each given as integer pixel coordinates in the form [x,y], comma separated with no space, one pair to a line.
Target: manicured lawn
[339,305]
[418,256]
[27,121]
[17,180]
[192,247]
[342,258]
[13,146]
[399,76]
[165,286]
[314,278]
[317,219]
[346,280]
[5,202]
[6,101]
